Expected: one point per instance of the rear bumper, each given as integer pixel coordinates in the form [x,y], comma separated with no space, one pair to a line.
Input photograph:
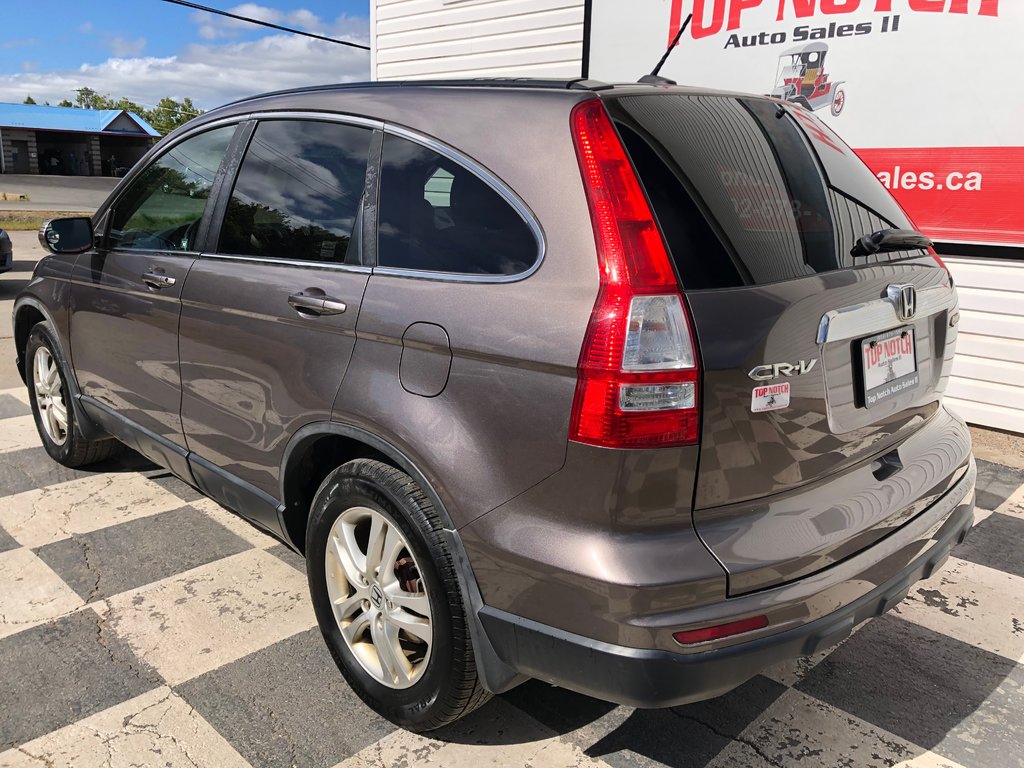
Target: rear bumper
[658,678]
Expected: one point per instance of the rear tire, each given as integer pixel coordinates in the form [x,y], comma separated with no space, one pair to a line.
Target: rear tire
[52,407]
[368,597]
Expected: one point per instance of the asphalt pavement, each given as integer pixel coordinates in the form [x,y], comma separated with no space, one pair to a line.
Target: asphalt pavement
[55,193]
[27,252]
[142,624]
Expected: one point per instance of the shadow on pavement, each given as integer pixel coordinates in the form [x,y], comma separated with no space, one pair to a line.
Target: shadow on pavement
[890,676]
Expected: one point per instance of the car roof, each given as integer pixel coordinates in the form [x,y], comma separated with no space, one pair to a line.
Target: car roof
[409,102]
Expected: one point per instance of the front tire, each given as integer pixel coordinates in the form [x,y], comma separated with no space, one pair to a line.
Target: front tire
[52,407]
[387,597]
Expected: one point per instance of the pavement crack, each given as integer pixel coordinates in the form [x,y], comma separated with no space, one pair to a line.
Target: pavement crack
[101,638]
[769,760]
[94,592]
[36,758]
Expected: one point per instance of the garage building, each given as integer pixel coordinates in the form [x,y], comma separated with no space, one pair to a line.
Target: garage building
[71,142]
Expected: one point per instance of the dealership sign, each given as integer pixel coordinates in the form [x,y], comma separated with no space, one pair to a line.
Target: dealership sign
[929,92]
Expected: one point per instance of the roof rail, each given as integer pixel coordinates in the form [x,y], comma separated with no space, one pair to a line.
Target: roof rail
[577,84]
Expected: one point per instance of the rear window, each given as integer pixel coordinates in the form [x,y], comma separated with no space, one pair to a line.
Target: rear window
[749,192]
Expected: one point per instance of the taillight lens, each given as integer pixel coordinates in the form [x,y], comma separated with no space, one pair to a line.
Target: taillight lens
[638,374]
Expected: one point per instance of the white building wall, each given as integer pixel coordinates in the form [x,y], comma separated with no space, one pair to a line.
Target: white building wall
[987,386]
[414,39]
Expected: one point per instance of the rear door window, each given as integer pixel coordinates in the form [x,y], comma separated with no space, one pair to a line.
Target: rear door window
[436,215]
[747,191]
[298,192]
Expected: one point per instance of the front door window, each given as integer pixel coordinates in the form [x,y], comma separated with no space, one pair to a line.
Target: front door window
[162,208]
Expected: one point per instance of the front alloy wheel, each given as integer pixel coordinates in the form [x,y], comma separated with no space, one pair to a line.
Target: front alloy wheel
[49,391]
[377,597]
[52,404]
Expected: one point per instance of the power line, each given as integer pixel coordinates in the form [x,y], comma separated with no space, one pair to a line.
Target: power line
[198,7]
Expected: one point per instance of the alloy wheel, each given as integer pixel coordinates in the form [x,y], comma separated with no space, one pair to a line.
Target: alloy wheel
[49,392]
[378,597]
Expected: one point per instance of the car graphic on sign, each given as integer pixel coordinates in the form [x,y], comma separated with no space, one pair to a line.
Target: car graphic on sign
[801,78]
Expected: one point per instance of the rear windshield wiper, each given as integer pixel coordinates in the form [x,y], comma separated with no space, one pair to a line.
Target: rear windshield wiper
[889,240]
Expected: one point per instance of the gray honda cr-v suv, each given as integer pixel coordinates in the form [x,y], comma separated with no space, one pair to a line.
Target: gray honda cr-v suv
[633,389]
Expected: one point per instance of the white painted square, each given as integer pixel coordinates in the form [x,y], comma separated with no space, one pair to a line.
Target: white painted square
[30,592]
[156,728]
[18,393]
[798,729]
[44,515]
[210,616]
[19,432]
[975,604]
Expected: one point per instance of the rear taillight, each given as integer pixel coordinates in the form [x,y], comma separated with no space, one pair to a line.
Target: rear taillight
[638,375]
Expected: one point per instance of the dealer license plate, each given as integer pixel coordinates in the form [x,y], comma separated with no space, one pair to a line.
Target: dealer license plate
[889,365]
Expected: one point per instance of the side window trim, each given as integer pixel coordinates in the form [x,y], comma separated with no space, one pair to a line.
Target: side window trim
[371,202]
[150,158]
[224,185]
[482,173]
[220,194]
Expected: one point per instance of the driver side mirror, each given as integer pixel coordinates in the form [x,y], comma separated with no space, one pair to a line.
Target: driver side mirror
[71,235]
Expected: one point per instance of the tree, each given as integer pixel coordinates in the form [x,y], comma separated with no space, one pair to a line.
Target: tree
[87,98]
[169,114]
[129,106]
[29,100]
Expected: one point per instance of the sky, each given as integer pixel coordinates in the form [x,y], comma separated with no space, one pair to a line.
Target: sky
[148,49]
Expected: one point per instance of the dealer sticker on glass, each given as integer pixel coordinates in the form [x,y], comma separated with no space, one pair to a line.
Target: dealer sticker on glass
[770,397]
[889,365]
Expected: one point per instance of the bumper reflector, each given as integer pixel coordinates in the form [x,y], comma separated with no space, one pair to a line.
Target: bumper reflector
[694,636]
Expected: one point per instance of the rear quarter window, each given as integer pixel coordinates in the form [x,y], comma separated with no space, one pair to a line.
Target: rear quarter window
[436,215]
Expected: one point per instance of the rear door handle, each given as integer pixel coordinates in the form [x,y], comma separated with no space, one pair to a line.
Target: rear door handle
[306,304]
[158,280]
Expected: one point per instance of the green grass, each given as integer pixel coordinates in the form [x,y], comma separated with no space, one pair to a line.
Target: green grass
[30,220]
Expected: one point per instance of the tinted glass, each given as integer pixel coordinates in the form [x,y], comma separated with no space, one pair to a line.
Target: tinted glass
[298,192]
[437,215]
[162,207]
[740,193]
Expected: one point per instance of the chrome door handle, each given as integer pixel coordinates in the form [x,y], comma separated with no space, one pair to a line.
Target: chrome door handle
[158,280]
[306,304]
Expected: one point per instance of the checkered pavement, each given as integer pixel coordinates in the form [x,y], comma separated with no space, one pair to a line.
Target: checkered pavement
[141,624]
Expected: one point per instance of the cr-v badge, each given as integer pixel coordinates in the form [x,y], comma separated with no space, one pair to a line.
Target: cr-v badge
[774,370]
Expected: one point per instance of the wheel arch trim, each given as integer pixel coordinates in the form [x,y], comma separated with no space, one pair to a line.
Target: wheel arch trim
[87,426]
[310,433]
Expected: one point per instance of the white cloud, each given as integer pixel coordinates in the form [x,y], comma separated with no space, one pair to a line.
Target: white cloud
[122,47]
[85,27]
[209,74]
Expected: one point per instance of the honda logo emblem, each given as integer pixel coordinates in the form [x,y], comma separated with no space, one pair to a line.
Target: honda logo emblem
[904,299]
